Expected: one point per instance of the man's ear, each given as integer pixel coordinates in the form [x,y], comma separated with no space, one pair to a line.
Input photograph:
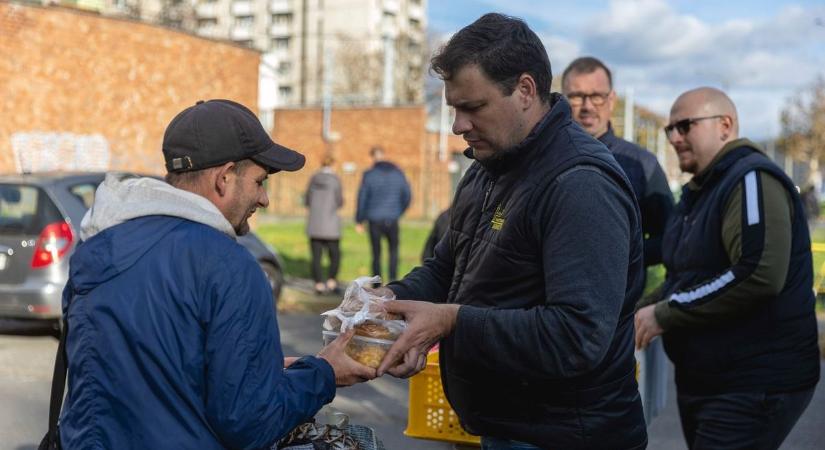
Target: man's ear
[223,177]
[526,89]
[726,127]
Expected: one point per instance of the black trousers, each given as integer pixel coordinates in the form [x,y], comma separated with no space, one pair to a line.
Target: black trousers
[378,230]
[741,420]
[333,250]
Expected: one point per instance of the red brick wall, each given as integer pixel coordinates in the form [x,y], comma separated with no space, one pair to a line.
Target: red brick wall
[67,71]
[400,131]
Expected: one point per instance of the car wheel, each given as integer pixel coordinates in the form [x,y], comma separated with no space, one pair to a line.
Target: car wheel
[275,278]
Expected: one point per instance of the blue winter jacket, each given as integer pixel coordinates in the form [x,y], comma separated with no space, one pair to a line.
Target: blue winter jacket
[173,343]
[384,194]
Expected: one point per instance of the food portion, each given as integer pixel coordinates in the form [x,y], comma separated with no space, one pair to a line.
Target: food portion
[367,351]
[375,328]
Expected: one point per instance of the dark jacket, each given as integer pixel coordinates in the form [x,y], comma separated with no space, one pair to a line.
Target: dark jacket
[768,343]
[440,227]
[544,252]
[651,188]
[384,194]
[173,343]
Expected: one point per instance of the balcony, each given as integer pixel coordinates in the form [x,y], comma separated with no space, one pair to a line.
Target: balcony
[389,30]
[415,11]
[392,6]
[280,6]
[280,29]
[415,33]
[241,33]
[242,8]
[281,54]
[206,10]
[210,31]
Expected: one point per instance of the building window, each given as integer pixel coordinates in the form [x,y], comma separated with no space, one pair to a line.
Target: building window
[281,43]
[284,68]
[285,92]
[282,19]
[206,23]
[244,21]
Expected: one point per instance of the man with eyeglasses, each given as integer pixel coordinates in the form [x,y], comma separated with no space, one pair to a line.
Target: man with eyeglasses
[736,311]
[588,85]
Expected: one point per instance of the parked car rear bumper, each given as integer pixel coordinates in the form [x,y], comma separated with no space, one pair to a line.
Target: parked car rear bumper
[42,301]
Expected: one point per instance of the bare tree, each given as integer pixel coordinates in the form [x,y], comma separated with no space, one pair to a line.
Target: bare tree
[803,127]
[358,72]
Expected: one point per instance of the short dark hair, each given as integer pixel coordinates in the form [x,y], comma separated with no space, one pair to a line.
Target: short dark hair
[586,64]
[503,47]
[376,150]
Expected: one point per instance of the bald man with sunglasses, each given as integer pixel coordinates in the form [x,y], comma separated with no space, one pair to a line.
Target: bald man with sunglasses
[736,310]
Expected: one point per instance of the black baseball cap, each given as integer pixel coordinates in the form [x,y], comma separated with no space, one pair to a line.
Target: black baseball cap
[216,132]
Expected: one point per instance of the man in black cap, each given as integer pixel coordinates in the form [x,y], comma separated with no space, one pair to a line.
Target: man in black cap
[173,341]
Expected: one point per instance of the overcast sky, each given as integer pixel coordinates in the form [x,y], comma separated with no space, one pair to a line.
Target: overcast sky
[759,51]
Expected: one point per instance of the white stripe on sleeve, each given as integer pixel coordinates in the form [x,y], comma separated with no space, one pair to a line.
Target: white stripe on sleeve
[704,290]
[752,198]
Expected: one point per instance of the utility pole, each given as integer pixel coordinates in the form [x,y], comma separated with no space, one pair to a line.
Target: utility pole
[327,134]
[443,125]
[389,62]
[629,115]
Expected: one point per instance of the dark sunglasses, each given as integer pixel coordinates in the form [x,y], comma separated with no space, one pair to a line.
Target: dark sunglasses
[683,126]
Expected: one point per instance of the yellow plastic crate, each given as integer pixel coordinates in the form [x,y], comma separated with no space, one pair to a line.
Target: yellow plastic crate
[430,415]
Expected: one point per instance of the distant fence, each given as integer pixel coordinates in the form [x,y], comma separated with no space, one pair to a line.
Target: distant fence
[431,193]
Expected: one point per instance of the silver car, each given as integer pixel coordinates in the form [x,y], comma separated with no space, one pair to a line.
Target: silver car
[40,217]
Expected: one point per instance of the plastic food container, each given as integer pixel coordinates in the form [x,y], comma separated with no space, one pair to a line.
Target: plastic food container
[367,351]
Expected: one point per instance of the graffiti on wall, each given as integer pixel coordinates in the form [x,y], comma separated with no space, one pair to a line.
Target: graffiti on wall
[45,151]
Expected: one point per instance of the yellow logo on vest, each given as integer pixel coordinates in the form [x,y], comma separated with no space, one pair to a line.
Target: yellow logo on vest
[498,218]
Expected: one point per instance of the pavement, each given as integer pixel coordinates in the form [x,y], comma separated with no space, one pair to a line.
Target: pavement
[26,364]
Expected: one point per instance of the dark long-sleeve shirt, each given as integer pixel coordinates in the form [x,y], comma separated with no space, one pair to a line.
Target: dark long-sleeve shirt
[651,188]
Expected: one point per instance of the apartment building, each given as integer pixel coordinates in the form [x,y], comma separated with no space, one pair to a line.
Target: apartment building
[356,52]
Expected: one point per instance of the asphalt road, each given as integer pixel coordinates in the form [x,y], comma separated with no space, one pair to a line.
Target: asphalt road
[26,365]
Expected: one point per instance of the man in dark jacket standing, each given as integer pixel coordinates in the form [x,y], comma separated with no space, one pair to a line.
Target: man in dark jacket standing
[531,293]
[383,196]
[736,310]
[172,339]
[588,85]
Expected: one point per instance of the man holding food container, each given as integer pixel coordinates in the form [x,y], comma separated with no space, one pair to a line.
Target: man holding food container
[172,339]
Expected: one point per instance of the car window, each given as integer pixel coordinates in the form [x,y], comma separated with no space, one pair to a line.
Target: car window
[25,209]
[85,193]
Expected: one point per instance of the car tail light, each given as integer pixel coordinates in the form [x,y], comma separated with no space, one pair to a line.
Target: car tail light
[54,241]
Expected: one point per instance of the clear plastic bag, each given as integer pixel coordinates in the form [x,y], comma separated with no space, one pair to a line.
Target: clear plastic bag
[375,329]
[364,311]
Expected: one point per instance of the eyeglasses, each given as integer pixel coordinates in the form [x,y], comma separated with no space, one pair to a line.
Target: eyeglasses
[596,98]
[683,126]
